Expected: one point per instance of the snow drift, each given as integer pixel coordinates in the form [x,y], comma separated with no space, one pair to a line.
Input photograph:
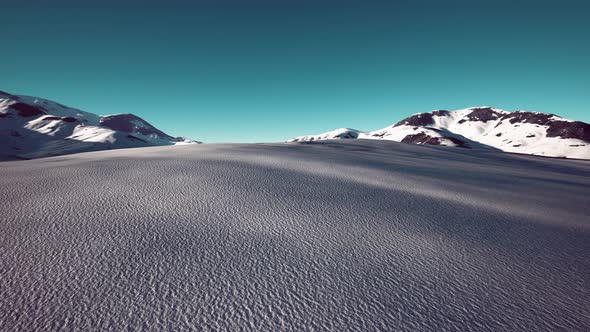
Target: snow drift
[339,235]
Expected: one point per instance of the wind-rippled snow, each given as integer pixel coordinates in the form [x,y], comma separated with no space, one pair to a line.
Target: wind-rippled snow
[347,235]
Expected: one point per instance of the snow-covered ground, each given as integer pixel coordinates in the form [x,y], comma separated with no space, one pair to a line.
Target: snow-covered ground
[357,235]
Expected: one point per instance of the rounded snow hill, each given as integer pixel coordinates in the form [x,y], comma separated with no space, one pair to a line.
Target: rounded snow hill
[360,235]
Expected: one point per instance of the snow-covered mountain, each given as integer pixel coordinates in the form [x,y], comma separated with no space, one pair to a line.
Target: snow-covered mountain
[342,133]
[483,128]
[33,127]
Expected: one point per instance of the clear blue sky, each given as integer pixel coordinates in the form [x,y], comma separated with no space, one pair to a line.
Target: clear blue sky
[261,70]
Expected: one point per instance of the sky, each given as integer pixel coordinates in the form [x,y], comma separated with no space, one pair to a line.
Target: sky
[265,71]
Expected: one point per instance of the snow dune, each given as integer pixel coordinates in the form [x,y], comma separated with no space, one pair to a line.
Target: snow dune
[332,235]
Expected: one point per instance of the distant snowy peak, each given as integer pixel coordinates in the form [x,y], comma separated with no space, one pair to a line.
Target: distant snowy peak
[487,128]
[32,127]
[342,133]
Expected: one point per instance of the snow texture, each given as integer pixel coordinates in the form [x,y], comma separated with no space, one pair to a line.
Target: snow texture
[360,235]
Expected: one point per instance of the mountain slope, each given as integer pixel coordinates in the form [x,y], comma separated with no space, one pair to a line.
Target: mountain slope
[33,127]
[342,133]
[488,129]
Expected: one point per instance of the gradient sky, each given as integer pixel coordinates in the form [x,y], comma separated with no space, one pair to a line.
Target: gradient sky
[254,71]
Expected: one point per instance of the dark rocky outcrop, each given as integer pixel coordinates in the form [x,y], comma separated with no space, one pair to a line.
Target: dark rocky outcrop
[421,138]
[68,119]
[556,128]
[566,129]
[423,119]
[441,113]
[483,114]
[26,110]
[528,117]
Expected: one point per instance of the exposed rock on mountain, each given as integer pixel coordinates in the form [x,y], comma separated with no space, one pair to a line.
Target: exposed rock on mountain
[32,127]
[487,128]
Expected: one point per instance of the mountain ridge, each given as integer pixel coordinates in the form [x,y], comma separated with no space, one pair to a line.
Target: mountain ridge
[482,127]
[32,127]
